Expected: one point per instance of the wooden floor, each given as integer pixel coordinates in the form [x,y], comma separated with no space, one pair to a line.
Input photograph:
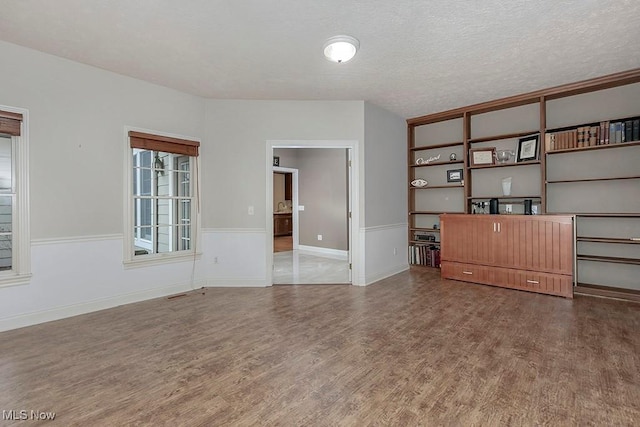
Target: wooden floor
[282,243]
[410,350]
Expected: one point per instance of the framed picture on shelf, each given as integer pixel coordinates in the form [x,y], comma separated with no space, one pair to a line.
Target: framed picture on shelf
[482,156]
[276,160]
[528,148]
[454,175]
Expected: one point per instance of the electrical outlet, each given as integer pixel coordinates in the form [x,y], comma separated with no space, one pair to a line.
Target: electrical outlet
[395,251]
[215,259]
[319,236]
[250,211]
[508,208]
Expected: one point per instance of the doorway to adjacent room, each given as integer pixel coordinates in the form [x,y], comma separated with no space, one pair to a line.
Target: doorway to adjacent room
[317,248]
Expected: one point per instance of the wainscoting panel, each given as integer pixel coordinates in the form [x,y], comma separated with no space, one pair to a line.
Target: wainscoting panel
[385,252]
[234,257]
[76,276]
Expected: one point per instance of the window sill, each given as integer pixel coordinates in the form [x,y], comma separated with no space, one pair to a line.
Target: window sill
[160,259]
[14,280]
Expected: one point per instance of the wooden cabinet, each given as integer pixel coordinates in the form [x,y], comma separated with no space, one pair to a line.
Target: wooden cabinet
[527,252]
[282,224]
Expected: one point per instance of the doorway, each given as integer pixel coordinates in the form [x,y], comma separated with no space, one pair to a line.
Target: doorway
[285,209]
[322,235]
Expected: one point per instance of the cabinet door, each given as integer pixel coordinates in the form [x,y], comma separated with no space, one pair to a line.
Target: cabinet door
[467,238]
[536,243]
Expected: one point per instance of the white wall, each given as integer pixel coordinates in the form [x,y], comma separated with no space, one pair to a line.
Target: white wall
[77,116]
[385,189]
[238,132]
[77,145]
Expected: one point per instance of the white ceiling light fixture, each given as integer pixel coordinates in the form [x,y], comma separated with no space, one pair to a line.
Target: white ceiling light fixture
[341,48]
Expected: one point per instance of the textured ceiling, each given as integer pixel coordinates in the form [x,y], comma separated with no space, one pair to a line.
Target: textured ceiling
[416,57]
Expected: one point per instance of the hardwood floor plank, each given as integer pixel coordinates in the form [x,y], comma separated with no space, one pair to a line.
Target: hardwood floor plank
[410,350]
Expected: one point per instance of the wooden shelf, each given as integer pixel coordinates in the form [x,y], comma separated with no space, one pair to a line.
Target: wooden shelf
[424,242]
[594,147]
[598,215]
[608,215]
[607,291]
[450,162]
[434,147]
[432,212]
[502,165]
[431,230]
[564,181]
[432,187]
[632,241]
[612,259]
[503,197]
[503,136]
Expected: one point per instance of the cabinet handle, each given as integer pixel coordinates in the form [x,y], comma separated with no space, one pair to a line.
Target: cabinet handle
[467,272]
[494,227]
[535,282]
[498,227]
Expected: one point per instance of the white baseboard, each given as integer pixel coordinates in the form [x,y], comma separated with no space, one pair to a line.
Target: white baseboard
[236,283]
[324,252]
[91,306]
[387,273]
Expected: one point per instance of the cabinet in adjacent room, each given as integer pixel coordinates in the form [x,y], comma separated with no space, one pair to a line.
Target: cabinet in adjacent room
[282,224]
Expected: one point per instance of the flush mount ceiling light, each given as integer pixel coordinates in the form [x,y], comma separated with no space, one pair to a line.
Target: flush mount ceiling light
[341,48]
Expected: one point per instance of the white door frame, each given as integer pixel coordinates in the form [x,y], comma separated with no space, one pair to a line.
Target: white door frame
[294,202]
[354,201]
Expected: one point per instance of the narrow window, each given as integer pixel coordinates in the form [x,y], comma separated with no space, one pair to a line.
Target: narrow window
[162,195]
[14,198]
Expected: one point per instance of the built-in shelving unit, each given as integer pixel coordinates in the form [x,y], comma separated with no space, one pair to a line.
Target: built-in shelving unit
[596,179]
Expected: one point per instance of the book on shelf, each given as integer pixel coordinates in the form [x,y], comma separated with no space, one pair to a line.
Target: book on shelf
[612,132]
[582,130]
[628,131]
[427,255]
[619,132]
[594,136]
[604,133]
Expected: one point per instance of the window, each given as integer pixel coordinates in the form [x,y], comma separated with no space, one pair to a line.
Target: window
[163,173]
[14,209]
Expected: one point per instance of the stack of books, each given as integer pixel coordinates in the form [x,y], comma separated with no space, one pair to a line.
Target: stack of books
[427,255]
[607,132]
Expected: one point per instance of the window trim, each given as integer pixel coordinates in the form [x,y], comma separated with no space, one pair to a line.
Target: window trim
[129,259]
[20,272]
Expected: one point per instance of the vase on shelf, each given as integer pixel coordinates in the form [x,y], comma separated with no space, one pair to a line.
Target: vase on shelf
[506,186]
